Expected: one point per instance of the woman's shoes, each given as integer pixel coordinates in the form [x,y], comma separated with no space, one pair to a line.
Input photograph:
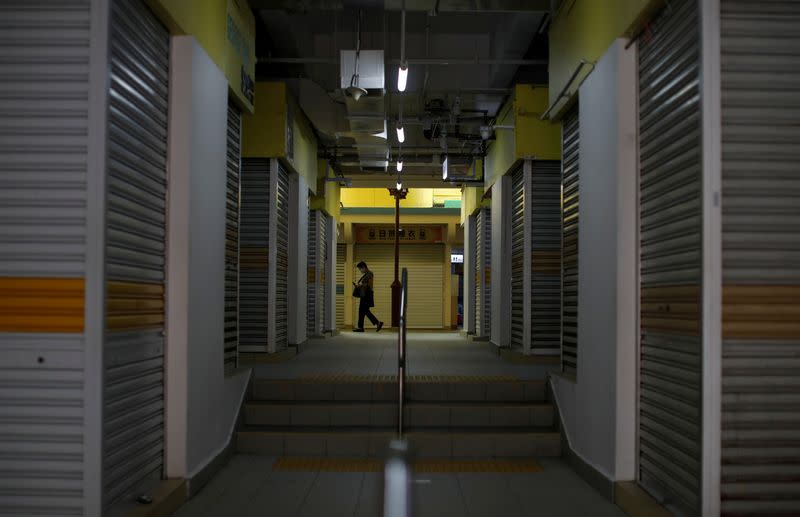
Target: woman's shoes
[380,326]
[358,330]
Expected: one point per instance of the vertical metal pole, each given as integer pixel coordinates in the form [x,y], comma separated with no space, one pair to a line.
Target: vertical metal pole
[396,285]
[396,238]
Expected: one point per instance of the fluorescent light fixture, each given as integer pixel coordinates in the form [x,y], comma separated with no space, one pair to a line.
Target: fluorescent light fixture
[399,165]
[401,136]
[402,78]
[444,168]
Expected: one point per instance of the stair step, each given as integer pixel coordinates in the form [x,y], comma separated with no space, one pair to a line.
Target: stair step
[364,389]
[434,443]
[417,414]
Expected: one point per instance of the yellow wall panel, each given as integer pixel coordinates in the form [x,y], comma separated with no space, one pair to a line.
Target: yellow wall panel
[535,138]
[304,158]
[470,201]
[224,28]
[416,198]
[327,194]
[502,153]
[264,133]
[380,198]
[585,29]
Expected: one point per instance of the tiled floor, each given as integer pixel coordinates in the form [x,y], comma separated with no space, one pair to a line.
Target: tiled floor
[371,353]
[248,487]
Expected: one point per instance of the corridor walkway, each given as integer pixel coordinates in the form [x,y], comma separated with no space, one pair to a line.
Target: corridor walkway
[254,485]
[371,353]
[249,487]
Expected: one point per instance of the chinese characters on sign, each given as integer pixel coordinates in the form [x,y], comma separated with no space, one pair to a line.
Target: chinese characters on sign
[414,234]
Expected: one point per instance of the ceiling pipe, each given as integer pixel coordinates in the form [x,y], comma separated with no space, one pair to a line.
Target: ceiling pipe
[424,91]
[410,61]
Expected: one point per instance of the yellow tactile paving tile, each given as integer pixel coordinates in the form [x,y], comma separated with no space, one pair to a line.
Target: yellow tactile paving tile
[279,357]
[419,466]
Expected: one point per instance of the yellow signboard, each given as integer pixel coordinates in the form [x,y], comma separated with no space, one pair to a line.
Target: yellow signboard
[384,234]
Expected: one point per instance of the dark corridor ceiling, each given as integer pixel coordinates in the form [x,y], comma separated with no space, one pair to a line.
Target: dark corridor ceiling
[465,54]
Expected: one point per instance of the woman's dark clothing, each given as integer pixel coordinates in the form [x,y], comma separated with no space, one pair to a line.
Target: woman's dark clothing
[366,301]
[363,310]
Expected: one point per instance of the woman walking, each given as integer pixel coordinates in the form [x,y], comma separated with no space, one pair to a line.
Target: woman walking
[367,298]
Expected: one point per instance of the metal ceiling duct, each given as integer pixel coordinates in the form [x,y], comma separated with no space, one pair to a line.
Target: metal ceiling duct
[367,115]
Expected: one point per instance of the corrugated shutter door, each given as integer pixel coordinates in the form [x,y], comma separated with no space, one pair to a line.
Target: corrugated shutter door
[569,248]
[483,294]
[546,258]
[322,271]
[44,80]
[133,416]
[233,165]
[761,258]
[254,255]
[479,327]
[282,261]
[380,260]
[671,259]
[317,260]
[341,257]
[517,256]
[311,277]
[425,263]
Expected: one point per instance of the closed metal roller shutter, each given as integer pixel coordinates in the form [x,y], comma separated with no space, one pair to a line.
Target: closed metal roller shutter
[322,271]
[233,165]
[761,258]
[317,264]
[44,85]
[341,257]
[311,277]
[133,416]
[282,260]
[545,201]
[469,297]
[478,298]
[517,257]
[670,185]
[483,293]
[254,237]
[569,246]
[425,263]
[380,260]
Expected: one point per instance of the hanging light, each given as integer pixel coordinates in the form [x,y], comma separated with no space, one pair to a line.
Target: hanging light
[399,165]
[354,90]
[401,136]
[402,78]
[402,72]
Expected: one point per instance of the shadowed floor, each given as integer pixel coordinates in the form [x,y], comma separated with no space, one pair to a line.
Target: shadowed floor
[373,353]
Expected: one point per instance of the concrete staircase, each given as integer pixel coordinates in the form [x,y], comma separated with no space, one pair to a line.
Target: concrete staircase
[455,417]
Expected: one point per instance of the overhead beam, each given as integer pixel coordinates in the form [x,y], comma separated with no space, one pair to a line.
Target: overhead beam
[469,6]
[387,181]
[411,61]
[427,6]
